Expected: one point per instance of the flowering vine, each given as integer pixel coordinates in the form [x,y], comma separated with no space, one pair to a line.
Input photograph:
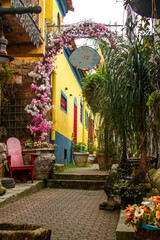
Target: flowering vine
[40,106]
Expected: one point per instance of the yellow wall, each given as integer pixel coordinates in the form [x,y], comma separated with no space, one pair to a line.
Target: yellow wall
[52,11]
[64,78]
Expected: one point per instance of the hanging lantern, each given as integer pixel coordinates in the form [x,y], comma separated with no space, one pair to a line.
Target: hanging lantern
[4,58]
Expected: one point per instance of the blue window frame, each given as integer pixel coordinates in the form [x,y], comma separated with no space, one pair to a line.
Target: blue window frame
[58,21]
[86,119]
[63,103]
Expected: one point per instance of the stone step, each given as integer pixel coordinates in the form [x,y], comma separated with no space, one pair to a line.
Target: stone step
[72,176]
[75,184]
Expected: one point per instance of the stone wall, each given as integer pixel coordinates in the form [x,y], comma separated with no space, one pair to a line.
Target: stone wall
[21,68]
[3,158]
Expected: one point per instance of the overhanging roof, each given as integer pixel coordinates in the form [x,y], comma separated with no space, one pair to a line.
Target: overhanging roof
[69,4]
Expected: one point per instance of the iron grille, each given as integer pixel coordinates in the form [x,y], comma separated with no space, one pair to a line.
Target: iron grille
[29,21]
[17,119]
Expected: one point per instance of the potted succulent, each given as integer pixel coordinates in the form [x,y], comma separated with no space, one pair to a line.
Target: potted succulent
[129,193]
[145,219]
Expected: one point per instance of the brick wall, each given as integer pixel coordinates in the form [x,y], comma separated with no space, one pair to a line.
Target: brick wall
[22,82]
[21,69]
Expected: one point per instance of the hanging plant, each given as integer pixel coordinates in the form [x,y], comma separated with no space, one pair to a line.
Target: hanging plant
[39,107]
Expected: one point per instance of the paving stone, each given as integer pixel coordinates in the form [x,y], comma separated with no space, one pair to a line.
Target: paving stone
[71,214]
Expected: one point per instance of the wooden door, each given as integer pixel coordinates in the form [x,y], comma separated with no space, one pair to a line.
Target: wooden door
[75,123]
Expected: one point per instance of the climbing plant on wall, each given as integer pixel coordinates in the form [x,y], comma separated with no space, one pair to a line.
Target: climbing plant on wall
[40,106]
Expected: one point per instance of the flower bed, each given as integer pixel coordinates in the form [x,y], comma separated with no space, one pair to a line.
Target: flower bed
[45,161]
[33,144]
[146,214]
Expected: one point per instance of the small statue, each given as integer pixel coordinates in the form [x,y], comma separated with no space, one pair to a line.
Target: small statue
[110,203]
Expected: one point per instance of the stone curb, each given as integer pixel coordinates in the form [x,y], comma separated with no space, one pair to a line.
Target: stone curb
[123,232]
[21,190]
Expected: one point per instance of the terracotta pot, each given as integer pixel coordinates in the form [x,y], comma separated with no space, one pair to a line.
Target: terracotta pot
[101,160]
[43,164]
[80,158]
[24,231]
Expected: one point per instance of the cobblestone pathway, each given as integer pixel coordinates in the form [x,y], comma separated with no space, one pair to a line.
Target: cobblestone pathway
[71,214]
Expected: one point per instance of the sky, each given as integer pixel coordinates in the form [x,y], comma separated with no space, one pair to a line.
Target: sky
[99,11]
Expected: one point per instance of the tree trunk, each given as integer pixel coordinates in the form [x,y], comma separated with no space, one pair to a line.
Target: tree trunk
[124,153]
[143,162]
[106,134]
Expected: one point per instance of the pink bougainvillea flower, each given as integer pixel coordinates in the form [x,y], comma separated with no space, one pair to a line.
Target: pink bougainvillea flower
[41,74]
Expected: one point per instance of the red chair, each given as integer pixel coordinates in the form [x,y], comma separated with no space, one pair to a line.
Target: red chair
[15,156]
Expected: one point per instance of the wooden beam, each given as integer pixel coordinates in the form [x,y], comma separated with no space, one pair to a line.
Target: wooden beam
[26,50]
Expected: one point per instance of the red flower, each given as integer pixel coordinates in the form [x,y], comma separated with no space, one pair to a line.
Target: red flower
[158,214]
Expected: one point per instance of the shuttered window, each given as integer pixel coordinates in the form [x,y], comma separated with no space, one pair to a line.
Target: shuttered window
[63,102]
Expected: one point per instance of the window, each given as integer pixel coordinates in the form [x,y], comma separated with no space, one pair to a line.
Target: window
[15,118]
[81,112]
[63,102]
[86,119]
[58,22]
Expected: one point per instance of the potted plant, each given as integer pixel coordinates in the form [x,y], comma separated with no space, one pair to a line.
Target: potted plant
[80,154]
[100,158]
[129,193]
[43,164]
[145,219]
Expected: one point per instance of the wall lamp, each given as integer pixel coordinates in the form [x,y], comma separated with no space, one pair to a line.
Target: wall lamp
[4,58]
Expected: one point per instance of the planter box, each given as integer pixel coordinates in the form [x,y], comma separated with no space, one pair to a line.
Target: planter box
[147,234]
[24,231]
[80,158]
[43,164]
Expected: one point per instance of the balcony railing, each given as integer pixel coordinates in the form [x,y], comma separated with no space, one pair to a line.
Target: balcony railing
[29,21]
